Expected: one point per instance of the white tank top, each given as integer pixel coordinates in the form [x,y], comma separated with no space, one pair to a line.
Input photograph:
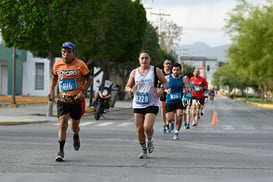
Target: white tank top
[145,94]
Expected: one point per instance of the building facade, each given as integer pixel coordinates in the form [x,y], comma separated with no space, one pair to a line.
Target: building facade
[32,74]
[36,76]
[6,70]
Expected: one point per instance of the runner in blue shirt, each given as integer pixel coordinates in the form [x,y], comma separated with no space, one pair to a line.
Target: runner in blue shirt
[174,95]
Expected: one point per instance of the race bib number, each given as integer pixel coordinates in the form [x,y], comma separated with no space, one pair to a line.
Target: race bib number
[68,85]
[175,96]
[142,98]
[188,95]
[197,88]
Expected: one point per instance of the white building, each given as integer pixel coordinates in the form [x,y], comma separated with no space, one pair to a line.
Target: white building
[36,77]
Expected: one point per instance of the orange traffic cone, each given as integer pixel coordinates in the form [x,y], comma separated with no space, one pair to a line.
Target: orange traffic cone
[214,119]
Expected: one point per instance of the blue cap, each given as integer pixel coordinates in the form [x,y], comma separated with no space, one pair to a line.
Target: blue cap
[69,45]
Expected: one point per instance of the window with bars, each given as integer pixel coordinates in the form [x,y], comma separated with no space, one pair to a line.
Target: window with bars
[39,76]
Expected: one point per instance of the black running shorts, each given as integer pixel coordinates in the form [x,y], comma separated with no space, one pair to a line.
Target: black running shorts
[75,110]
[150,109]
[171,107]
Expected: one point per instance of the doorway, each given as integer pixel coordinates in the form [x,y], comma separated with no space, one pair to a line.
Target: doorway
[3,79]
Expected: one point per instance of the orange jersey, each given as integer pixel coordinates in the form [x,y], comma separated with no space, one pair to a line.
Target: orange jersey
[70,76]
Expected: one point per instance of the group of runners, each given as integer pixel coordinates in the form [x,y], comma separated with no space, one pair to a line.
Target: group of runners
[146,83]
[184,98]
[181,98]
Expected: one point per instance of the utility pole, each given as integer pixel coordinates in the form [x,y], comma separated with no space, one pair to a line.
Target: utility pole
[13,104]
[14,77]
[159,26]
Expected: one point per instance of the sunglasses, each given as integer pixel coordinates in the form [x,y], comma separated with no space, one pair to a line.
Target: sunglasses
[168,63]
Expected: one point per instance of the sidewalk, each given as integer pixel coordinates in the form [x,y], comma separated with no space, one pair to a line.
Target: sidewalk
[265,106]
[37,113]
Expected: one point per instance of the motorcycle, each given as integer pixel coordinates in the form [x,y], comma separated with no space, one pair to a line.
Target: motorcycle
[103,98]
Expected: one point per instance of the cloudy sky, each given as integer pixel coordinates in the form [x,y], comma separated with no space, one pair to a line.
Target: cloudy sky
[202,20]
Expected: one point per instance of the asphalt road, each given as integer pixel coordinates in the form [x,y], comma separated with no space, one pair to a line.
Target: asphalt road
[238,148]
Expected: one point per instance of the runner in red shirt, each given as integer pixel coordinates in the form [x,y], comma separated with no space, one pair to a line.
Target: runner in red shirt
[197,94]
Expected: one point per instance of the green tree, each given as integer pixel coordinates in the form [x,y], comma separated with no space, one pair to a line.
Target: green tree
[41,26]
[231,76]
[250,28]
[151,44]
[122,36]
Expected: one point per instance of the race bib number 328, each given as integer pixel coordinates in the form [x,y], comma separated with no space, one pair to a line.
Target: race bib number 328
[142,98]
[68,85]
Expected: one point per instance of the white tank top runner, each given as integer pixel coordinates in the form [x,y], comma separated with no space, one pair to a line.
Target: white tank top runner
[145,94]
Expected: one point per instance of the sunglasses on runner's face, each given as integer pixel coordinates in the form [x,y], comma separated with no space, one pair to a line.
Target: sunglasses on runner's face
[168,63]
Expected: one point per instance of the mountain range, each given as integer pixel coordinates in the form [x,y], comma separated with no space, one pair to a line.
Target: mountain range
[204,50]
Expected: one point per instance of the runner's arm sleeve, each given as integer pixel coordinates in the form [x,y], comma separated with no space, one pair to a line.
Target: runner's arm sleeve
[87,75]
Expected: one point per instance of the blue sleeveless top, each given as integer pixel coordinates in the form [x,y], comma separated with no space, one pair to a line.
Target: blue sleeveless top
[176,86]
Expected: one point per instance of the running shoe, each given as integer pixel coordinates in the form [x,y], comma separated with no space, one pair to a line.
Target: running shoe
[194,123]
[176,136]
[142,155]
[185,126]
[76,142]
[171,127]
[188,126]
[60,157]
[164,130]
[150,146]
[167,128]
[202,113]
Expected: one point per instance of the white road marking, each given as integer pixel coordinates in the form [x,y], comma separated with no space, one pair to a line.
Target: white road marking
[268,128]
[87,123]
[246,127]
[124,124]
[104,124]
[227,127]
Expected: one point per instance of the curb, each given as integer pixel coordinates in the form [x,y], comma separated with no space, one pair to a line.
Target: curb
[21,122]
[265,106]
[21,104]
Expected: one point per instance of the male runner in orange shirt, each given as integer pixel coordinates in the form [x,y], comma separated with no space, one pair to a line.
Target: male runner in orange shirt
[74,79]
